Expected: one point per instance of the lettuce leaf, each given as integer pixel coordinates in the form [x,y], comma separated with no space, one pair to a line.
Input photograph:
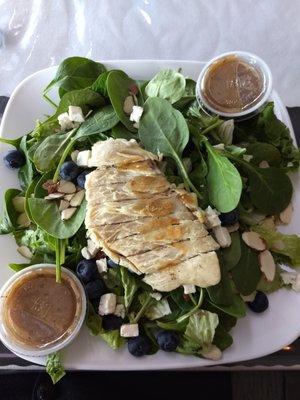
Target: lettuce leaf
[288,245]
[54,367]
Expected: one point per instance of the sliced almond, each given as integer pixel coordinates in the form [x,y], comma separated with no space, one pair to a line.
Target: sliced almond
[23,220]
[128,105]
[66,187]
[54,196]
[77,198]
[249,298]
[253,240]
[222,236]
[212,353]
[264,164]
[267,265]
[25,252]
[63,205]
[86,254]
[19,204]
[68,213]
[286,215]
[268,222]
[74,155]
[69,197]
[233,228]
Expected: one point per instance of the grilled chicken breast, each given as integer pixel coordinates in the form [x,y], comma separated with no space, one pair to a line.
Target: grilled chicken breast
[145,223]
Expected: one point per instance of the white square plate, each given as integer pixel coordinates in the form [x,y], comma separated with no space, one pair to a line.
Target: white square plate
[254,336]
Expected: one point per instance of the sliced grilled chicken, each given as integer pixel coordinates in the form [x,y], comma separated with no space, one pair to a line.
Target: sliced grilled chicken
[145,223]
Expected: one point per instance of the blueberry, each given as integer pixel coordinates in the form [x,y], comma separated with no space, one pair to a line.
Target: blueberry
[95,289]
[111,322]
[229,218]
[139,346]
[167,340]
[81,178]
[112,264]
[87,270]
[14,159]
[69,171]
[260,303]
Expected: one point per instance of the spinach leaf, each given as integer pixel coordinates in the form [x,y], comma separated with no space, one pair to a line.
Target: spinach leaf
[100,84]
[100,121]
[54,367]
[130,285]
[84,98]
[222,292]
[150,333]
[231,255]
[222,338]
[166,84]
[26,172]
[236,309]
[50,150]
[264,152]
[163,129]
[270,189]
[223,180]
[47,216]
[75,73]
[270,129]
[10,215]
[246,274]
[188,95]
[223,296]
[119,131]
[118,85]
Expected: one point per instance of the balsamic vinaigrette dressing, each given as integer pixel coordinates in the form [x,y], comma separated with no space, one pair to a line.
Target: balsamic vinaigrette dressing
[39,311]
[232,85]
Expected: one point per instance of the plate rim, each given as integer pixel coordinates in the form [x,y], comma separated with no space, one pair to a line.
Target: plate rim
[191,362]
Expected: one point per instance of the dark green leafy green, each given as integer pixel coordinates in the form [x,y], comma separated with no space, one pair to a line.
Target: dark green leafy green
[26,172]
[275,132]
[99,122]
[118,85]
[164,130]
[231,255]
[10,215]
[50,150]
[47,216]
[246,274]
[264,152]
[84,98]
[270,189]
[75,73]
[223,180]
[100,84]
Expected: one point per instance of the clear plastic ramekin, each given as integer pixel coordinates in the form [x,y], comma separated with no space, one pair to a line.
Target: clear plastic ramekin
[15,346]
[254,60]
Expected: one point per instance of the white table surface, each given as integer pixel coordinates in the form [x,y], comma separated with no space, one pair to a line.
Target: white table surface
[35,34]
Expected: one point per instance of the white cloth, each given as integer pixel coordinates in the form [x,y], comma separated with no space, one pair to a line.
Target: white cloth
[40,33]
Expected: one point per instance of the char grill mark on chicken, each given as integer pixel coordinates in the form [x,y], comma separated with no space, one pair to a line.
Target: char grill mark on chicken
[145,223]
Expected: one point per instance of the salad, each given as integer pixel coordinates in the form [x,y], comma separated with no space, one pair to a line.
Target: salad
[239,173]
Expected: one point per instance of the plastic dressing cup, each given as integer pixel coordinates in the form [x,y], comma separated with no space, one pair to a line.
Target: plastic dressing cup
[39,316]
